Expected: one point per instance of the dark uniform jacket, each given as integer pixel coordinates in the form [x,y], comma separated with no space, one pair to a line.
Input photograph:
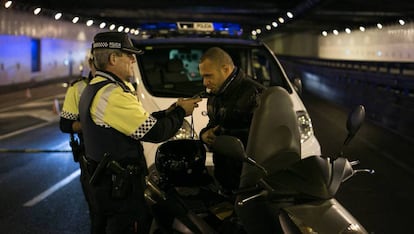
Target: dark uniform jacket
[101,139]
[125,149]
[232,108]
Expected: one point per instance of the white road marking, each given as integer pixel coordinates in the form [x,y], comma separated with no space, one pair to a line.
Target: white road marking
[47,115]
[23,130]
[64,146]
[52,189]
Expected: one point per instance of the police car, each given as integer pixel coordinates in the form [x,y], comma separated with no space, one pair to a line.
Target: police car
[168,70]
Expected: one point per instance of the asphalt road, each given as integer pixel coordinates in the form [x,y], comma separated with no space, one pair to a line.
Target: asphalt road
[41,192]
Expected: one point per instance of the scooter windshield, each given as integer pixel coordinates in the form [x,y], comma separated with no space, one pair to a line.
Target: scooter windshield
[274,139]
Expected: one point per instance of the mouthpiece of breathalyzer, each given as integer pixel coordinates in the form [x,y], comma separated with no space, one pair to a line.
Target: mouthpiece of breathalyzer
[202,94]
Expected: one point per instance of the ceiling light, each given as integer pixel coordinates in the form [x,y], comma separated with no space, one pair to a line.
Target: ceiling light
[8,4]
[58,16]
[258,31]
[362,28]
[379,26]
[289,14]
[281,20]
[126,30]
[347,30]
[75,19]
[254,32]
[112,27]
[268,27]
[335,32]
[102,25]
[120,28]
[89,23]
[37,11]
[402,22]
[324,33]
[274,24]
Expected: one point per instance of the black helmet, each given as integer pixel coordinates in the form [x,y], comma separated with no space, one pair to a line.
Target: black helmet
[182,163]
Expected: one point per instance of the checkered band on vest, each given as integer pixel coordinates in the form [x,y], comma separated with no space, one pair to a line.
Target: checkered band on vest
[109,45]
[68,115]
[144,128]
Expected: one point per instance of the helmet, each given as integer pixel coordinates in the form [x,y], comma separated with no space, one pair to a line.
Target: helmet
[182,163]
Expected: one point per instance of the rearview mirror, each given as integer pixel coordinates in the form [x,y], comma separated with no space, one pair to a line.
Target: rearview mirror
[354,122]
[297,83]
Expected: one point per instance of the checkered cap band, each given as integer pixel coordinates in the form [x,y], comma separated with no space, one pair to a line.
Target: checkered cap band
[107,45]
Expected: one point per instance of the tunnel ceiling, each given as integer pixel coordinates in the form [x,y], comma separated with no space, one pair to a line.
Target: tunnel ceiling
[311,16]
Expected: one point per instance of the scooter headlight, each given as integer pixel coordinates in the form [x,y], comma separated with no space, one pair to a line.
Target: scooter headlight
[185,132]
[305,125]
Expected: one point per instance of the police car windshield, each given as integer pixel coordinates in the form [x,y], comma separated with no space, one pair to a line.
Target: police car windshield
[172,70]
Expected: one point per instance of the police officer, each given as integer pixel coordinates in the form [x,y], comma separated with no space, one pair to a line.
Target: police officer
[70,123]
[114,123]
[230,106]
[69,116]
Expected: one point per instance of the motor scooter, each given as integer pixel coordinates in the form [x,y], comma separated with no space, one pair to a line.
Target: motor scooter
[279,192]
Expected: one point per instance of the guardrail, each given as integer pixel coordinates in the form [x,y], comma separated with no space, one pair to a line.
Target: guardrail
[385,88]
[381,67]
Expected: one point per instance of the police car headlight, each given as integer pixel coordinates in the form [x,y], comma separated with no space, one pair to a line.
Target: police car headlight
[305,125]
[185,132]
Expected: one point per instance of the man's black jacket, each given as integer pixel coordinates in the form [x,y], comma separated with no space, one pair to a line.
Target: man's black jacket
[232,109]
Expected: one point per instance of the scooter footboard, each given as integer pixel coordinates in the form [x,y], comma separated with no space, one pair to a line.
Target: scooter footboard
[322,217]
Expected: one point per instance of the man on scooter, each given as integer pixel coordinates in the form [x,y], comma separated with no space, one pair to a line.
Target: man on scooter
[230,106]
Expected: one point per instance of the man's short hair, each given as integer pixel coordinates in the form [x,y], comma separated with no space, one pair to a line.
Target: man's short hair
[218,56]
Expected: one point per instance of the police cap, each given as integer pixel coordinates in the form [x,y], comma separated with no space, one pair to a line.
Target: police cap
[114,40]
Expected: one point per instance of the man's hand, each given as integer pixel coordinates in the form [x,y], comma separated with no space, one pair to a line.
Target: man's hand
[188,104]
[76,127]
[209,136]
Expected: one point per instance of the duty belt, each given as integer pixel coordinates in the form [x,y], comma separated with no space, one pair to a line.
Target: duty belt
[96,169]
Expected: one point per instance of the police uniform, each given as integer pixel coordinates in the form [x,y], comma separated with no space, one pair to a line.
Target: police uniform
[114,123]
[70,109]
[70,114]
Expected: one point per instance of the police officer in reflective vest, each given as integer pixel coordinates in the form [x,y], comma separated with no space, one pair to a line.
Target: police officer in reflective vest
[70,123]
[114,123]
[69,116]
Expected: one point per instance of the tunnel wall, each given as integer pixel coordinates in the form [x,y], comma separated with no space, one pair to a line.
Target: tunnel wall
[57,48]
[374,68]
[393,43]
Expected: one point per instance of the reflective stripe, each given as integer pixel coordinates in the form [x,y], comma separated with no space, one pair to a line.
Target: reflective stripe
[102,103]
[81,86]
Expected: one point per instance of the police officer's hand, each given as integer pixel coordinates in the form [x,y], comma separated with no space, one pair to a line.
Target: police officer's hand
[209,136]
[188,104]
[76,126]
